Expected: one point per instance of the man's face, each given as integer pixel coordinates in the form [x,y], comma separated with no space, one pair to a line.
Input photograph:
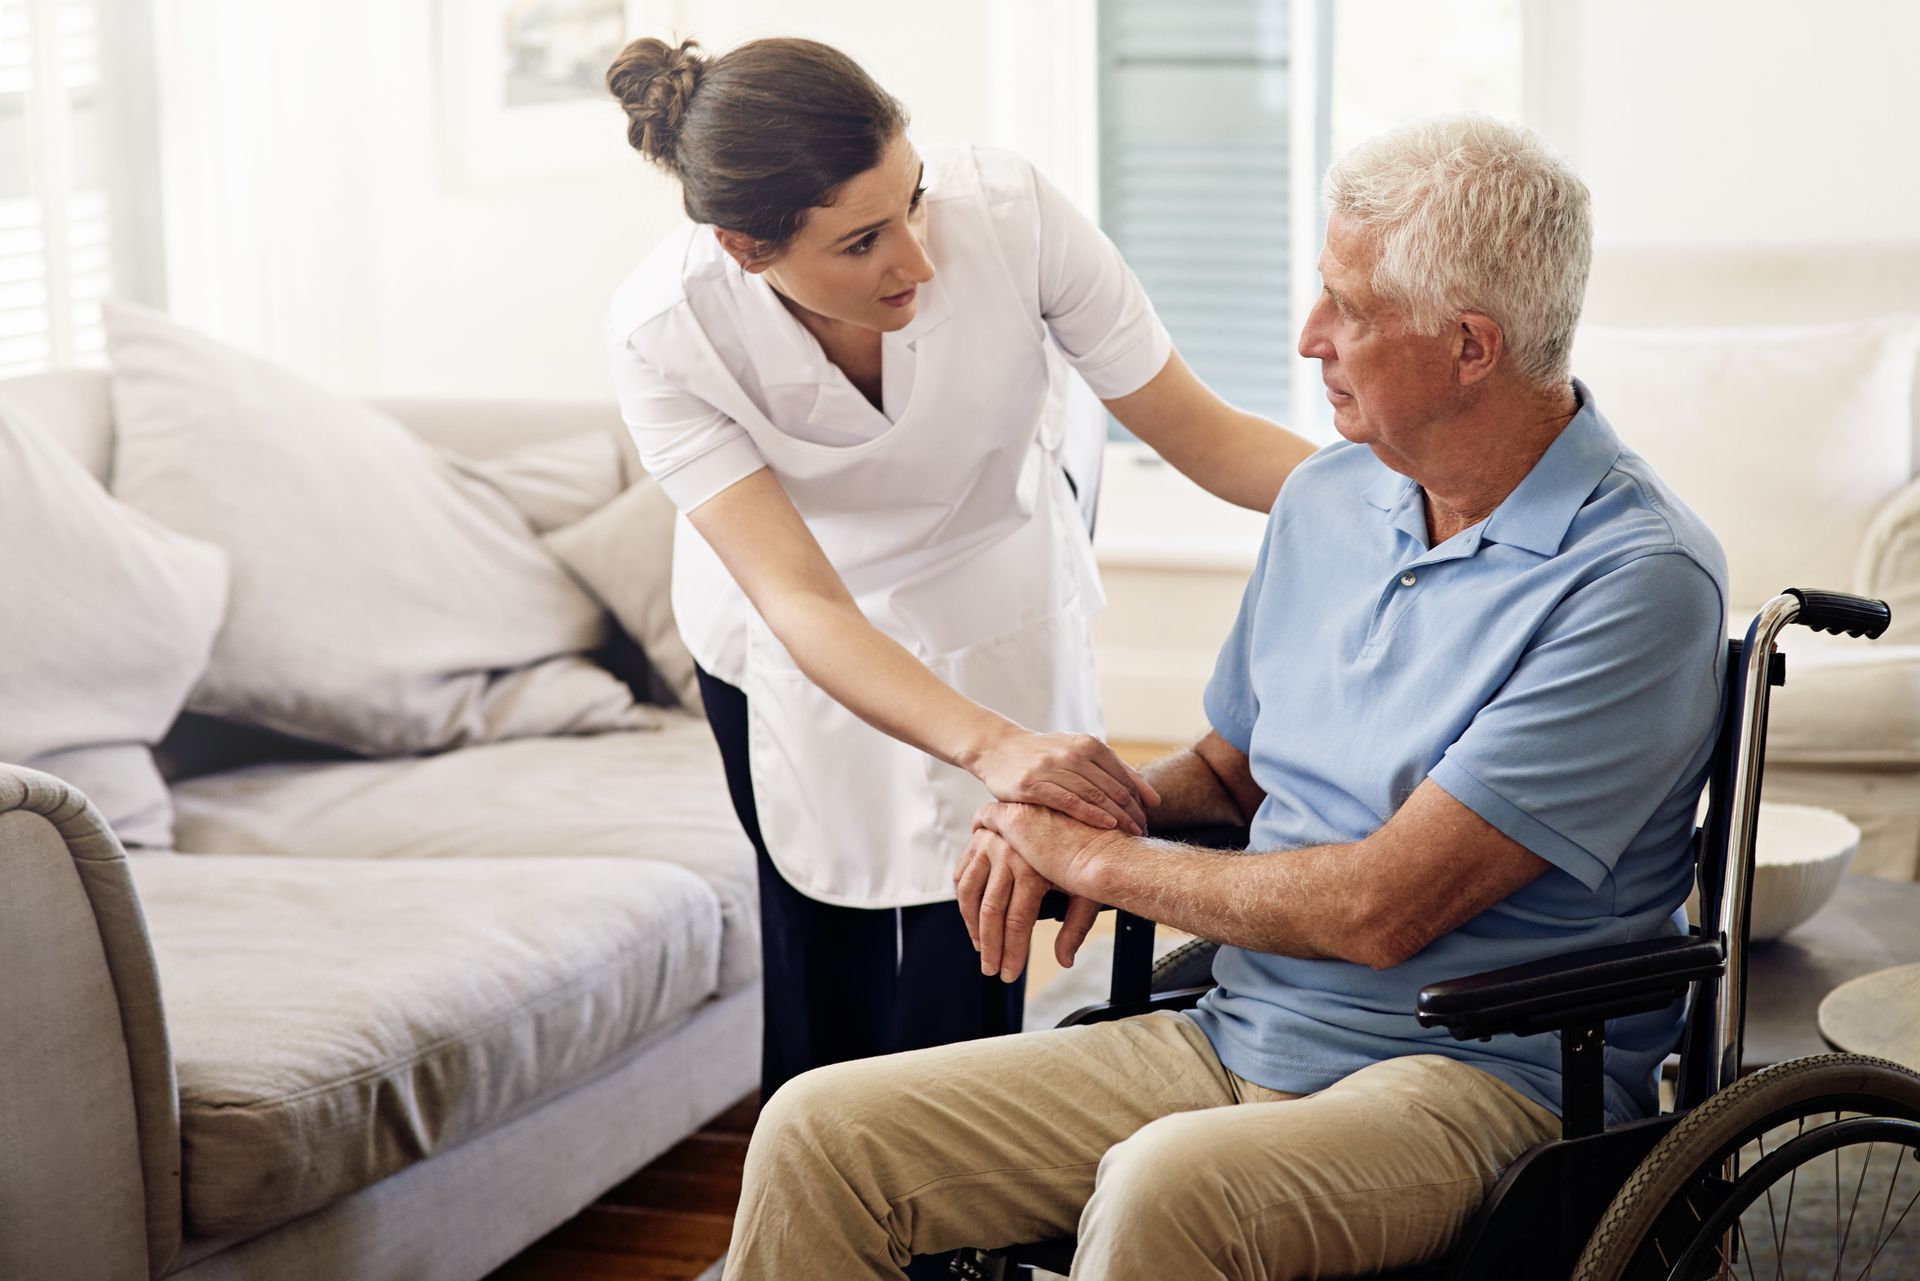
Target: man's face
[1386,385]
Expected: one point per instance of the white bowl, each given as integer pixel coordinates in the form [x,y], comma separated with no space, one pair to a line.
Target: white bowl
[1799,856]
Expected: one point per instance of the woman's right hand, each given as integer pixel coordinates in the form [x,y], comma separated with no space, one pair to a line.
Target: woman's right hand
[1076,774]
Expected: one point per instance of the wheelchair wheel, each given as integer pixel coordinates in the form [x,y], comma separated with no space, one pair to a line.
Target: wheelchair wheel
[1810,1168]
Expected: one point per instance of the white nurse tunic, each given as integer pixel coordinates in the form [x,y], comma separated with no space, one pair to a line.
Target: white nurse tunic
[944,510]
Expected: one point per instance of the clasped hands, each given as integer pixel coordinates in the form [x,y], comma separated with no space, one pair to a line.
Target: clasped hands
[1017,853]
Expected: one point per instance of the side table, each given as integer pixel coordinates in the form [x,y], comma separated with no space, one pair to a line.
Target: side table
[1877,1014]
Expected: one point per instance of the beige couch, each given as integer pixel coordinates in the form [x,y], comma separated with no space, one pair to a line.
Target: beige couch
[1775,388]
[379,1018]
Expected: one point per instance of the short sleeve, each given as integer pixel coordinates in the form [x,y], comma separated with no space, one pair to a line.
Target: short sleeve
[1230,701]
[1093,304]
[1617,695]
[690,448]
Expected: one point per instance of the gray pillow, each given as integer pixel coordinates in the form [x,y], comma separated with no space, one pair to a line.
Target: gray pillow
[623,554]
[108,618]
[383,601]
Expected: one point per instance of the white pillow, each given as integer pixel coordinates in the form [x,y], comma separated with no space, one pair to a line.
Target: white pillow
[108,619]
[623,554]
[554,483]
[382,601]
[1786,441]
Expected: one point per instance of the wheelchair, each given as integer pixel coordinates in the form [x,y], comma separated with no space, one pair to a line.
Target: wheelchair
[1705,1189]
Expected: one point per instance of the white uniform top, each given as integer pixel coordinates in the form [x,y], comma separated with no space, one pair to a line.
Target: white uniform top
[944,510]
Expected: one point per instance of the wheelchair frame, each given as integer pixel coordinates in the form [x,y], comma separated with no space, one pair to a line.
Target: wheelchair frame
[1547,1204]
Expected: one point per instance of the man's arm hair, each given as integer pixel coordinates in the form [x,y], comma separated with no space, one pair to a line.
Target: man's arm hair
[1209,781]
[1433,866]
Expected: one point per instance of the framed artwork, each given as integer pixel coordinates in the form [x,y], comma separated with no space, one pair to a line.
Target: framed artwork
[521,83]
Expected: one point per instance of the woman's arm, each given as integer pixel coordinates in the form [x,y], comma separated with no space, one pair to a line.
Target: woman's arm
[1228,452]
[760,537]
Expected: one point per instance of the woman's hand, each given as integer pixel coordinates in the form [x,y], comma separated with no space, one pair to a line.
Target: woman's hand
[1076,774]
[999,895]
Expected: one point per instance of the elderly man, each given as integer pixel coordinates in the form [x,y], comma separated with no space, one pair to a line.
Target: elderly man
[1467,706]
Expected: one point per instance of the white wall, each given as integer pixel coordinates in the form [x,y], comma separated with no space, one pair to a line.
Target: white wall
[309,213]
[1741,121]
[314,215]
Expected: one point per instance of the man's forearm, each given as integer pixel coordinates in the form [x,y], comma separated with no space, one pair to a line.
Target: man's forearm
[1191,794]
[1306,903]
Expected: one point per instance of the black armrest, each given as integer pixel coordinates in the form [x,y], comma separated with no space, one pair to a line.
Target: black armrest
[1565,991]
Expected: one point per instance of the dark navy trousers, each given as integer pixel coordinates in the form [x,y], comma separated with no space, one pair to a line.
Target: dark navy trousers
[848,982]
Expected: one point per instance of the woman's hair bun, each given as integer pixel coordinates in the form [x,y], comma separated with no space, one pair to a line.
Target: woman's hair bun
[654,82]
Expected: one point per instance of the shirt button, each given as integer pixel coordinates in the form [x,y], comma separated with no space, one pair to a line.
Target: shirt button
[1407,580]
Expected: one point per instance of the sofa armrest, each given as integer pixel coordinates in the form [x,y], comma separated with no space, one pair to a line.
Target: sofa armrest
[1560,992]
[89,1118]
[484,428]
[1888,565]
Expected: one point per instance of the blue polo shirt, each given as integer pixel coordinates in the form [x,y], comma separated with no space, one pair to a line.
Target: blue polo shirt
[1556,668]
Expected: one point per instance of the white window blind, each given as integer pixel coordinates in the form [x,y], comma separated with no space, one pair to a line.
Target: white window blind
[77,175]
[1194,181]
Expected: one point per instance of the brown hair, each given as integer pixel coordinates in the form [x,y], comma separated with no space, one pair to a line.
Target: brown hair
[759,135]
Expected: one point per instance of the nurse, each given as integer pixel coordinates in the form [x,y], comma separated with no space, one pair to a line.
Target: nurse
[846,371]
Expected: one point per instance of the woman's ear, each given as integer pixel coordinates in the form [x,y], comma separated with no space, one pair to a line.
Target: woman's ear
[751,254]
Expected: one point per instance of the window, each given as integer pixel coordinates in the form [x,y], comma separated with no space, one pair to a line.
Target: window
[1212,139]
[78,178]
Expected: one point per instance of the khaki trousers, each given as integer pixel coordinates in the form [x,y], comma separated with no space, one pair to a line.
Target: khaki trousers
[1132,1135]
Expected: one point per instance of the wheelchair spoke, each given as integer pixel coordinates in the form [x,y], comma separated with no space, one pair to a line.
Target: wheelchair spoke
[1892,1183]
[1762,1141]
[1896,1228]
[1741,1247]
[1836,1204]
[1840,1250]
[1780,1258]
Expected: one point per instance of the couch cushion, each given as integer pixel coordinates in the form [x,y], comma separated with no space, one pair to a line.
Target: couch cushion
[334,1021]
[1846,703]
[108,618]
[383,600]
[658,795]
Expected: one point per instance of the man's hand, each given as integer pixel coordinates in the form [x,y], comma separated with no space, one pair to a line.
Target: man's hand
[1059,848]
[1000,895]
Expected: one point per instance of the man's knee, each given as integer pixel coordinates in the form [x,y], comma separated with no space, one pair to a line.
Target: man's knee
[1160,1171]
[808,1119]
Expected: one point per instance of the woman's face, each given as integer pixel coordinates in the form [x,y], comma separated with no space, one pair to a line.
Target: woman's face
[862,259]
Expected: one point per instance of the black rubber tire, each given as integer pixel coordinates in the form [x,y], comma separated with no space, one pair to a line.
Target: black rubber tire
[1189,965]
[1708,1134]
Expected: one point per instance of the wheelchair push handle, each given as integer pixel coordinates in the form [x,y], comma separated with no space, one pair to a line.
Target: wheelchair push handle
[1840,613]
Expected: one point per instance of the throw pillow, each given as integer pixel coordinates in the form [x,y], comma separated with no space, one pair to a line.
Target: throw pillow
[623,554]
[382,601]
[554,483]
[1785,441]
[109,619]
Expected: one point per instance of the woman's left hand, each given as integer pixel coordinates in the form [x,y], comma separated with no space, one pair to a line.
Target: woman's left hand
[1076,774]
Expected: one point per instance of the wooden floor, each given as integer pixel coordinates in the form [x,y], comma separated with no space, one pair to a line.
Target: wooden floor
[670,1221]
[666,1223]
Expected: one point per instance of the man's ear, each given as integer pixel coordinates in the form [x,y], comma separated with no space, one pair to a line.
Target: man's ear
[1481,344]
[751,254]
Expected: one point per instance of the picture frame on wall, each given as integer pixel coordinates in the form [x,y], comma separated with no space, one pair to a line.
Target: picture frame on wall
[522,90]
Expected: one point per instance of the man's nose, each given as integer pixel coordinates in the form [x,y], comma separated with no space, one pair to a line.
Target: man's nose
[1315,342]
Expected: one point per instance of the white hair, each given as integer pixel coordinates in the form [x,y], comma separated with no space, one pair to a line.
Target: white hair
[1472,214]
